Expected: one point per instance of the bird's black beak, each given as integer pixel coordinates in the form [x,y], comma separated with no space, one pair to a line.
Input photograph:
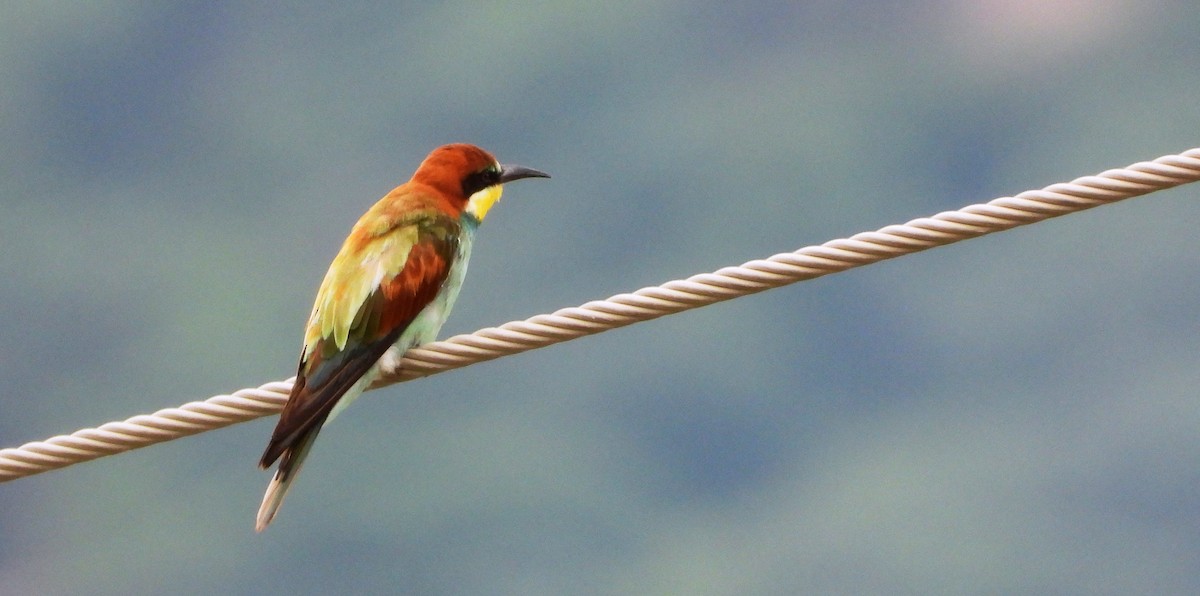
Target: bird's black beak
[508,173]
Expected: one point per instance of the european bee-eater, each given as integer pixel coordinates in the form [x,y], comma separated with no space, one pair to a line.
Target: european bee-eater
[392,284]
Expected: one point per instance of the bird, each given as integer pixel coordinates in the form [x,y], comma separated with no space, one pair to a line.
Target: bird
[393,283]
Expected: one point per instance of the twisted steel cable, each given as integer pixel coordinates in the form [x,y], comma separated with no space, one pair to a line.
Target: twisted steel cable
[625,309]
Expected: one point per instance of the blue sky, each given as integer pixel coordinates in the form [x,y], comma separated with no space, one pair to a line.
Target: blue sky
[1016,413]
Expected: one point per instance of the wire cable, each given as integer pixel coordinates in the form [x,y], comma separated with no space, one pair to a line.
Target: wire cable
[597,316]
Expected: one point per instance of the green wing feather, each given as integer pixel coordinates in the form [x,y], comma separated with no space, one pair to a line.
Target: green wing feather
[375,288]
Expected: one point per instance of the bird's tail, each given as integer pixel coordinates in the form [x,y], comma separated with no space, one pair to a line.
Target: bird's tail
[289,468]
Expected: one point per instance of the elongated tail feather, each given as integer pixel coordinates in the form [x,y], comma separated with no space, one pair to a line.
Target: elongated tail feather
[294,455]
[289,468]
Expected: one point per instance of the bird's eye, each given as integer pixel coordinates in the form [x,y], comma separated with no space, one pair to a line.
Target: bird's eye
[480,180]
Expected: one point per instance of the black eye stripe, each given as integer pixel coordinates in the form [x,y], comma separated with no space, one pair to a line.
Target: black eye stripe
[480,180]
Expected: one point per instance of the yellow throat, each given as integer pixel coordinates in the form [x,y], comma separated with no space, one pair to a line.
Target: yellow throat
[481,202]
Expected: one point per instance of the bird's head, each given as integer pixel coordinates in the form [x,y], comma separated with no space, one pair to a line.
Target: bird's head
[470,176]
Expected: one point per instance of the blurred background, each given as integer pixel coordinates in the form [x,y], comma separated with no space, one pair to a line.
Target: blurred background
[1012,414]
